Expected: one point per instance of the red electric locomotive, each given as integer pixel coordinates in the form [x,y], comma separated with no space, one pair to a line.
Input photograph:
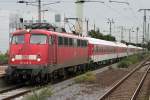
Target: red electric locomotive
[37,53]
[41,54]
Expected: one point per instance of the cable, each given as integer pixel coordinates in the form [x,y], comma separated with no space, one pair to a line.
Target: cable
[120,13]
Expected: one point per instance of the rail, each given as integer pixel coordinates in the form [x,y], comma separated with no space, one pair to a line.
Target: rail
[140,85]
[123,79]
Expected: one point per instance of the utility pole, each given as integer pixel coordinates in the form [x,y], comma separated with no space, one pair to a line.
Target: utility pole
[80,11]
[110,22]
[87,25]
[129,35]
[148,32]
[94,26]
[144,24]
[38,5]
[137,32]
[39,11]
[121,33]
[43,13]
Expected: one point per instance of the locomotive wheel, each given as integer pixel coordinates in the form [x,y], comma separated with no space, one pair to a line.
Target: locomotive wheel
[53,76]
[37,79]
[46,78]
[9,79]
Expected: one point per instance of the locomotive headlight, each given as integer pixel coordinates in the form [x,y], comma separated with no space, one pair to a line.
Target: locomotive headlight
[12,59]
[38,59]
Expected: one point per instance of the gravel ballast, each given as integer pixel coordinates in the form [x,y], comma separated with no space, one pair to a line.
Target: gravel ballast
[105,78]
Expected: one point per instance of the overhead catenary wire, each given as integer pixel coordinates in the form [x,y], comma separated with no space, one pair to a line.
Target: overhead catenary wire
[120,13]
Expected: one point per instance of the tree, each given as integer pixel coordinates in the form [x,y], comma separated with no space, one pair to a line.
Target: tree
[98,35]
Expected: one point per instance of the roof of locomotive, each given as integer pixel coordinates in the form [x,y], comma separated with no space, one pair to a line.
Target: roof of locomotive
[47,32]
[69,35]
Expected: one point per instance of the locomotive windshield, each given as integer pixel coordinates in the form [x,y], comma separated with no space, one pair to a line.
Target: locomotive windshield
[18,39]
[38,39]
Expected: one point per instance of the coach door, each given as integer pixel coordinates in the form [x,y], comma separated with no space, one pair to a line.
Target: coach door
[52,49]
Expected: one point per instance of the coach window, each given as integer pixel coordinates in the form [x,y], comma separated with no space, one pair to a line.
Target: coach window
[95,48]
[113,50]
[101,50]
[110,50]
[86,43]
[60,40]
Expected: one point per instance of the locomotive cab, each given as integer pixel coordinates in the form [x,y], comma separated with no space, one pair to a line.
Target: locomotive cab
[28,53]
[28,48]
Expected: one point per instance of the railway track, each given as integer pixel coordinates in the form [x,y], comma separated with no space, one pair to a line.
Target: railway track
[9,95]
[17,91]
[11,91]
[129,86]
[2,75]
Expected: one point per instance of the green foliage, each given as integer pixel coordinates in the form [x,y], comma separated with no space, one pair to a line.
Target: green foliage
[87,77]
[98,35]
[124,64]
[3,59]
[148,46]
[130,60]
[39,95]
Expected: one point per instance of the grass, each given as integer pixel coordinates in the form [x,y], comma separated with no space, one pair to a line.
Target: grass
[42,94]
[87,77]
[125,63]
[3,59]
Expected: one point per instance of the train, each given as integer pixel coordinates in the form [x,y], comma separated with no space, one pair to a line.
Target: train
[41,54]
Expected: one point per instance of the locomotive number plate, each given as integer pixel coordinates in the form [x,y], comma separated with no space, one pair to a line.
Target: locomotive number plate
[25,57]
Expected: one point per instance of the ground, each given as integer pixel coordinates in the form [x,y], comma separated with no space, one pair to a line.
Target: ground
[105,78]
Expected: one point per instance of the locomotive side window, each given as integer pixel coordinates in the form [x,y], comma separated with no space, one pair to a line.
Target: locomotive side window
[70,41]
[38,39]
[66,41]
[78,43]
[51,40]
[60,41]
[18,39]
[75,42]
[82,43]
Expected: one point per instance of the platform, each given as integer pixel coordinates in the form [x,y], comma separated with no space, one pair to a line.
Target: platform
[2,70]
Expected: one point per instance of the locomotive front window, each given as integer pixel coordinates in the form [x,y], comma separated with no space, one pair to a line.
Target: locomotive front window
[38,39]
[18,39]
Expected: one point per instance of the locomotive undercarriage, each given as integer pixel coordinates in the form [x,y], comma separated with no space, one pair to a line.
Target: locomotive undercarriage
[24,75]
[39,75]
[15,75]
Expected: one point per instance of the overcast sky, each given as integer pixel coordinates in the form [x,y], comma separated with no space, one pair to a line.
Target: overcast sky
[122,14]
